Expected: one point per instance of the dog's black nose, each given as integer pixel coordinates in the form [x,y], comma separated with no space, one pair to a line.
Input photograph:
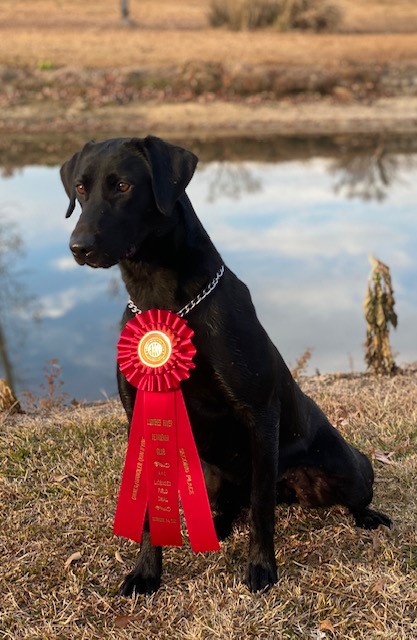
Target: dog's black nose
[82,246]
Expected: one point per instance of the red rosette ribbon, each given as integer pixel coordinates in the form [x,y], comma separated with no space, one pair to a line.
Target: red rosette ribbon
[155,354]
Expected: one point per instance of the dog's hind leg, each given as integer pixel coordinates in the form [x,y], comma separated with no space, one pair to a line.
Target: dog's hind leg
[370,518]
[356,491]
[332,472]
[230,504]
[360,496]
[226,498]
[229,507]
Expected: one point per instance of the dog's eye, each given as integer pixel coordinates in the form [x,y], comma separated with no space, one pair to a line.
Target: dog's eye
[123,186]
[80,189]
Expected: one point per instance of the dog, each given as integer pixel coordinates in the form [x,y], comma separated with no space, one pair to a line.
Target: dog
[261,440]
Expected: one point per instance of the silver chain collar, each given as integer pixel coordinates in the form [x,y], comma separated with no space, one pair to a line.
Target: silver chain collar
[194,302]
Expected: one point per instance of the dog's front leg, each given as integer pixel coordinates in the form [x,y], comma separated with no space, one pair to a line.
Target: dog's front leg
[127,393]
[146,576]
[262,569]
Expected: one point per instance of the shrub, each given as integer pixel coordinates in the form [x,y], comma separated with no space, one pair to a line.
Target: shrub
[243,14]
[315,15]
[286,14]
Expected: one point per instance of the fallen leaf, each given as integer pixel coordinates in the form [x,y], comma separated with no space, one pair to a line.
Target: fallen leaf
[326,625]
[60,478]
[121,622]
[72,558]
[119,557]
[385,458]
[379,586]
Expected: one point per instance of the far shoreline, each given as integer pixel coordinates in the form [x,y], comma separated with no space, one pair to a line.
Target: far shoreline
[390,116]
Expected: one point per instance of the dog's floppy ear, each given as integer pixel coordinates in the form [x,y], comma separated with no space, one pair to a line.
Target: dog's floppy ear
[67,173]
[67,176]
[172,169]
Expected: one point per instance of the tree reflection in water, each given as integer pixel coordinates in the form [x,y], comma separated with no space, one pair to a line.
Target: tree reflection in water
[232,180]
[367,174]
[361,172]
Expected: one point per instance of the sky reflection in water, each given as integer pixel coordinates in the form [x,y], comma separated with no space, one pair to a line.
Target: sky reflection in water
[287,229]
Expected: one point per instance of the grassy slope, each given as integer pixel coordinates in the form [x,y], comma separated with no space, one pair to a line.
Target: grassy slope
[58,486]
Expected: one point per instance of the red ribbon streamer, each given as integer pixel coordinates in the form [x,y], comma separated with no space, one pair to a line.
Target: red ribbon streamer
[155,353]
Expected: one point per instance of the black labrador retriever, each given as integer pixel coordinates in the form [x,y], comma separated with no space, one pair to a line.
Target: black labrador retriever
[260,438]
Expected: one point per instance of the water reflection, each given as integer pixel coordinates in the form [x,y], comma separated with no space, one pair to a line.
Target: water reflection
[232,180]
[369,175]
[297,226]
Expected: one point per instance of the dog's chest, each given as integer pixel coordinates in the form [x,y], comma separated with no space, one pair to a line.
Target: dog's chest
[221,436]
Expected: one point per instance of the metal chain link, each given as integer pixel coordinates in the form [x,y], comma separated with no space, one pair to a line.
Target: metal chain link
[134,309]
[194,302]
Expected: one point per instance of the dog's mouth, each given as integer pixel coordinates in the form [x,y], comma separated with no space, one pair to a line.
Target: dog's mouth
[106,260]
[93,260]
[101,260]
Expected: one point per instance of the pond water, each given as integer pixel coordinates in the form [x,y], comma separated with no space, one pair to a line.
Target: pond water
[296,227]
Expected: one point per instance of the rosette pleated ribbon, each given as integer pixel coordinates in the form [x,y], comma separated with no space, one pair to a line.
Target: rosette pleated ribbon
[155,354]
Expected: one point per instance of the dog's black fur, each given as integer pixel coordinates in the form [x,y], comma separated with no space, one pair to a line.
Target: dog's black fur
[261,440]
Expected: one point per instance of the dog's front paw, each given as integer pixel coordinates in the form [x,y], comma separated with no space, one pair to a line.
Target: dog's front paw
[371,519]
[138,582]
[261,576]
[146,576]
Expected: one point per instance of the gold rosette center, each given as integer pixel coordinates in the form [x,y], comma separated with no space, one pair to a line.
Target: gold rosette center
[154,349]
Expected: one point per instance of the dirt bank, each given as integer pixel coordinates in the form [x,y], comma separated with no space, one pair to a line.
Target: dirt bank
[79,70]
[206,99]
[218,118]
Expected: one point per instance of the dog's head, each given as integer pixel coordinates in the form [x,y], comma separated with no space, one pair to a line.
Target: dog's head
[127,189]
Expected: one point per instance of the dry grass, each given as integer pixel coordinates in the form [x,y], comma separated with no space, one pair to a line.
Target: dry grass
[68,65]
[76,33]
[58,486]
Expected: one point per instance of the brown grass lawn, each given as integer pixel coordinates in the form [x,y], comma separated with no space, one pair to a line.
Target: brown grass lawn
[167,32]
[59,474]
